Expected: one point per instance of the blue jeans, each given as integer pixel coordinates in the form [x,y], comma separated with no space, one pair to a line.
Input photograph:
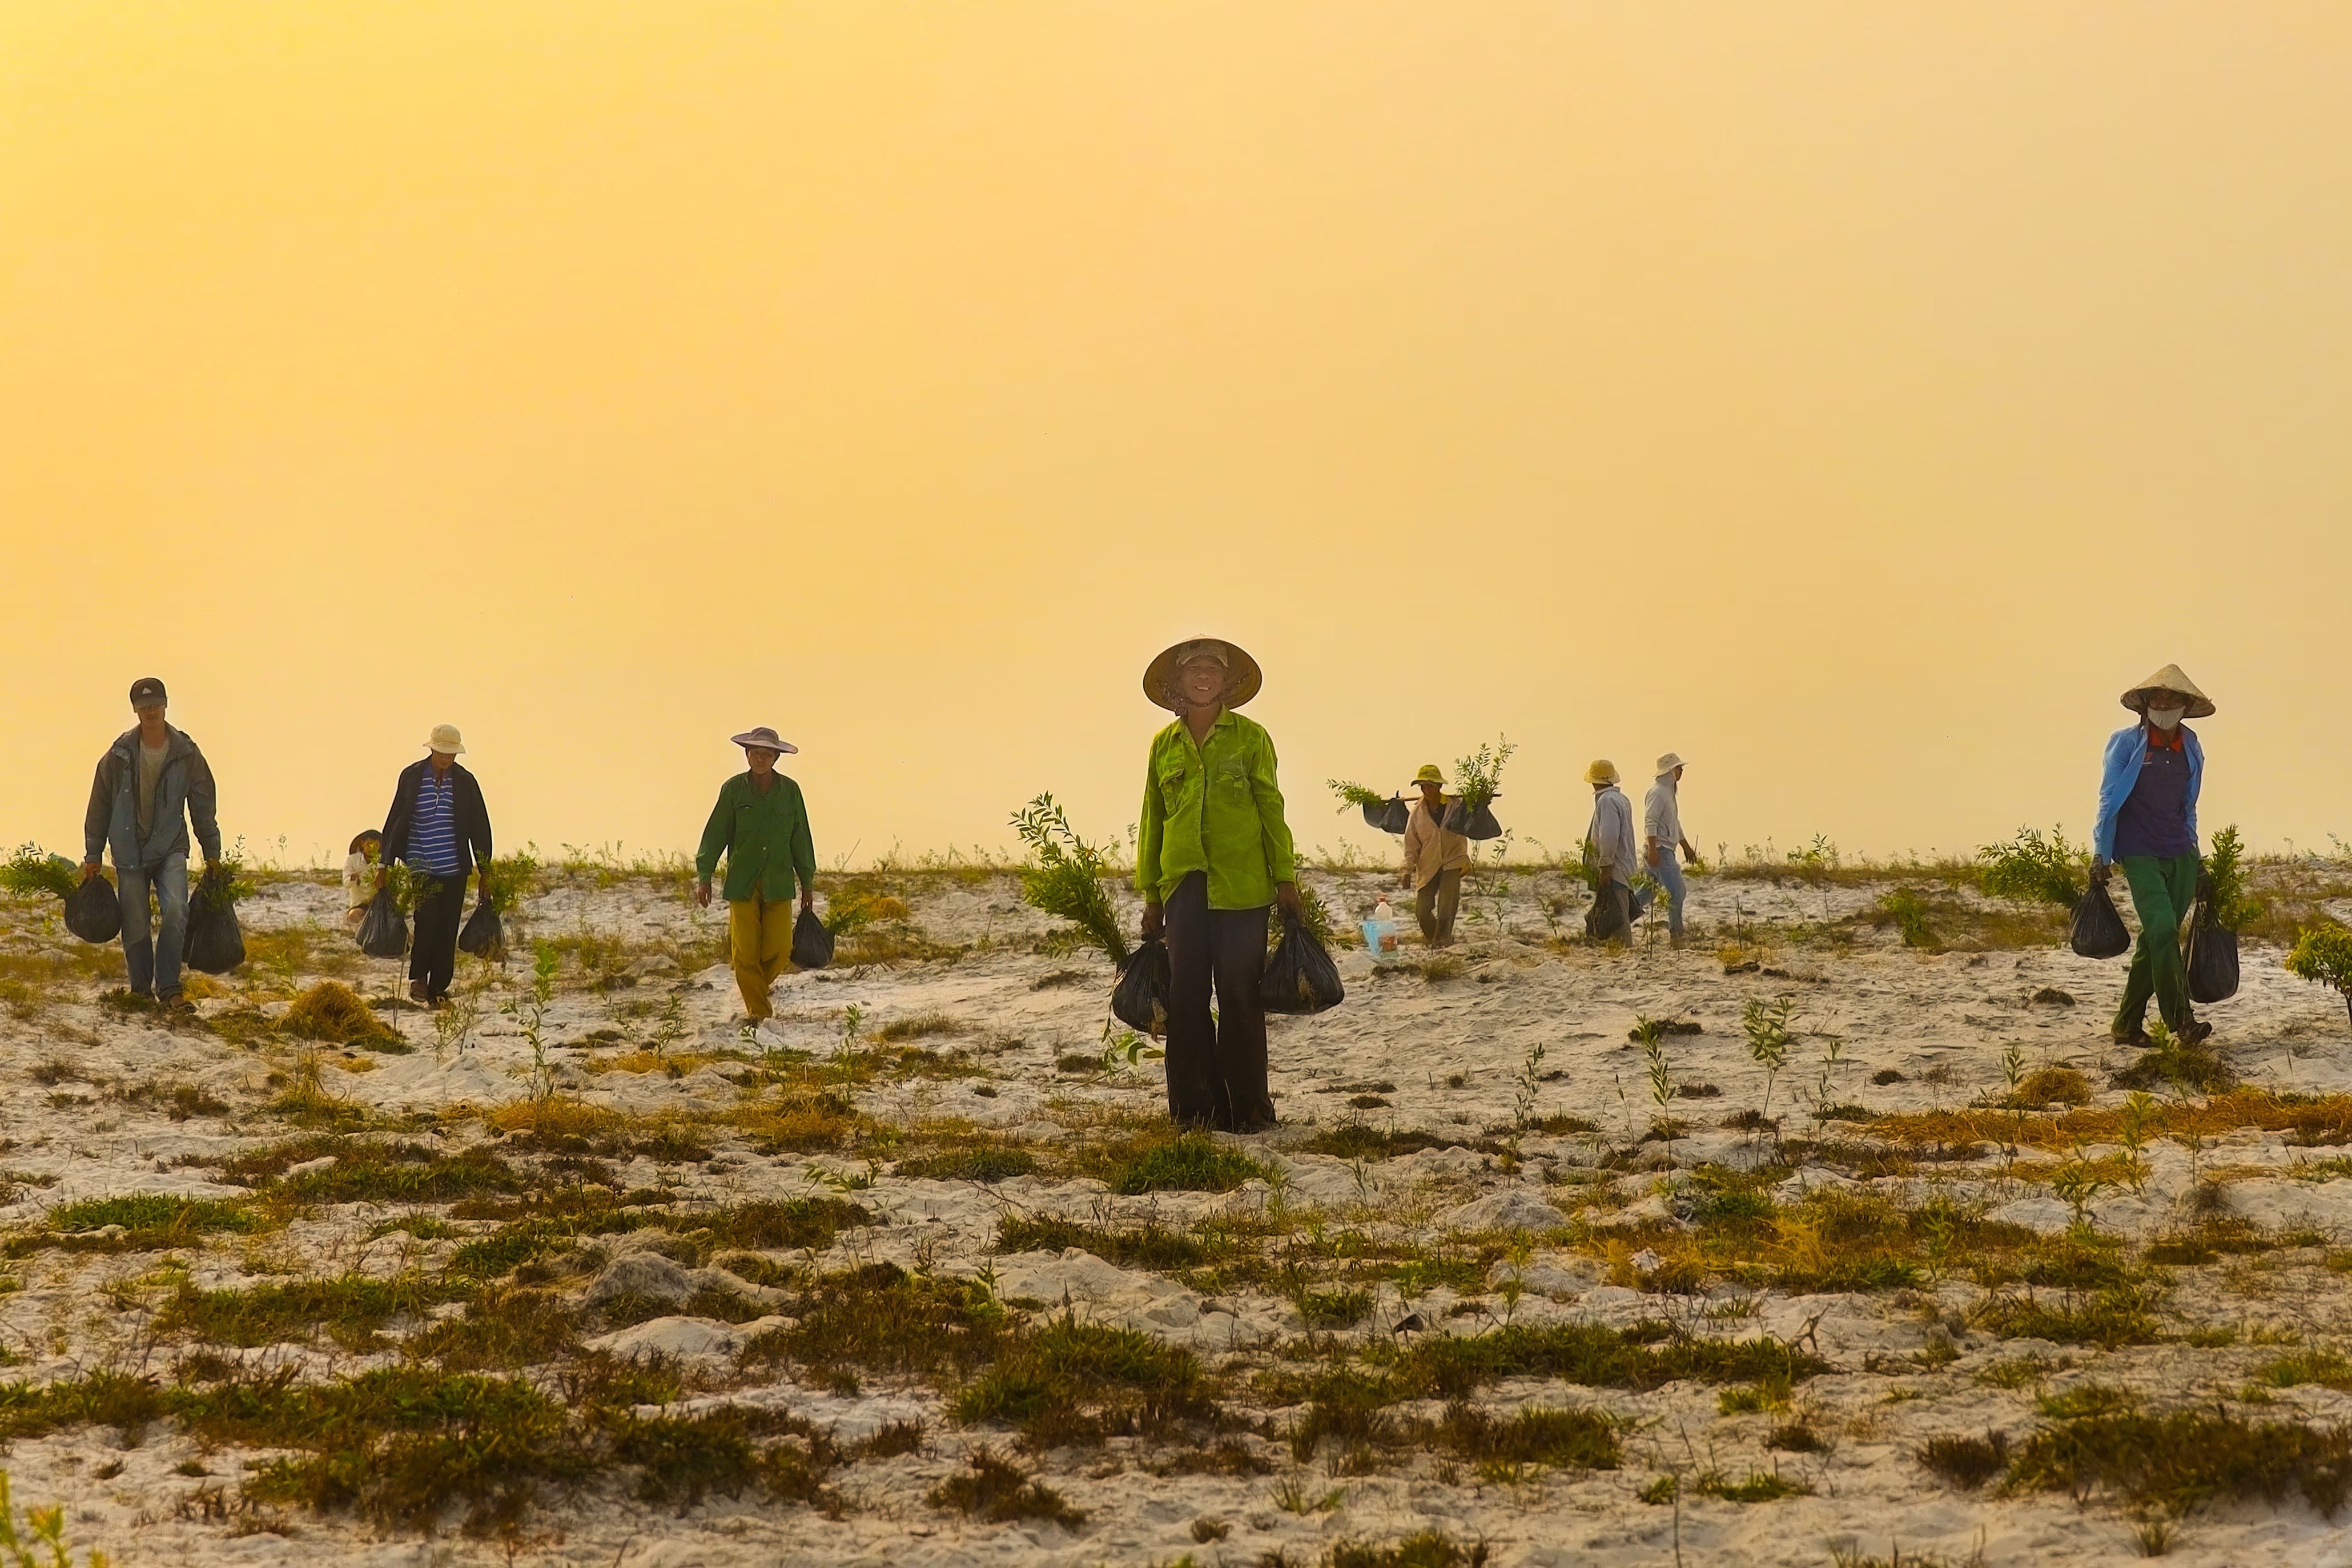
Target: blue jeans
[1668,874]
[155,958]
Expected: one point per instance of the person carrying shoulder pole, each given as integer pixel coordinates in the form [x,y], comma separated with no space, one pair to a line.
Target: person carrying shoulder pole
[440,828]
[760,825]
[1615,855]
[1211,852]
[151,783]
[2147,825]
[1662,835]
[1434,859]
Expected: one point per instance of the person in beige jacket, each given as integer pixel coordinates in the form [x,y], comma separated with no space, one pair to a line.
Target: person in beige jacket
[1434,859]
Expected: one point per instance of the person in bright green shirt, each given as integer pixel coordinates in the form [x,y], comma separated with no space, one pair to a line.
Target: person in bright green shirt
[1212,852]
[760,825]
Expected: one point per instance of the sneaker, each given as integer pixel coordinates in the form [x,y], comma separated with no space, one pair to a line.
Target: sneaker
[2195,1032]
[2137,1037]
[176,1002]
[418,994]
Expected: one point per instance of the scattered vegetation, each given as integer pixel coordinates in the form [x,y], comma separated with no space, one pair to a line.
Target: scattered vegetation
[2323,955]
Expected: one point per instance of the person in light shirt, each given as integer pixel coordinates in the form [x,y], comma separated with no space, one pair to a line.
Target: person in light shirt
[1663,834]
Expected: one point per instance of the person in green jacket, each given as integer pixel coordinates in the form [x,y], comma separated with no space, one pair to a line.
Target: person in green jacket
[1212,854]
[761,826]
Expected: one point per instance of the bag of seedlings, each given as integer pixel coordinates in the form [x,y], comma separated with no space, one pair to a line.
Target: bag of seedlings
[1472,821]
[483,934]
[1299,976]
[215,941]
[1139,1000]
[1389,815]
[812,943]
[1611,917]
[383,930]
[2212,957]
[2097,932]
[94,910]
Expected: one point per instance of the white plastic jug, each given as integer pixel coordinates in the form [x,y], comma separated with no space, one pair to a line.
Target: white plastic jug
[1379,931]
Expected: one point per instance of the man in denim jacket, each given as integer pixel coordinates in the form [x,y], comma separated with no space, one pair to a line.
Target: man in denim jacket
[2147,825]
[150,783]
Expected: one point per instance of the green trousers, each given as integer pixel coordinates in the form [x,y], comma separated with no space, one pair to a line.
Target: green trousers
[2162,890]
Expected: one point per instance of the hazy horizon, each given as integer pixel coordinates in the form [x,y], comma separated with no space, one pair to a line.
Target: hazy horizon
[1854,402]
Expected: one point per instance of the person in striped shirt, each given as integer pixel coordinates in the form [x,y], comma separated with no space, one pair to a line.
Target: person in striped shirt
[440,829]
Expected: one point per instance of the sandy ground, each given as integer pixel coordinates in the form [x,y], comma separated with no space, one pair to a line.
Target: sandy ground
[1448,1054]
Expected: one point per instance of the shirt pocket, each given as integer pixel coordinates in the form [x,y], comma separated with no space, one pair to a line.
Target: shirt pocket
[1233,781]
[1175,786]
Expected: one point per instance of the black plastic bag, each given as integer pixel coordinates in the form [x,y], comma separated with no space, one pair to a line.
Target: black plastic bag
[1472,822]
[383,930]
[812,943]
[215,941]
[2212,957]
[1610,918]
[1299,976]
[1139,1000]
[2098,931]
[94,910]
[483,935]
[1389,815]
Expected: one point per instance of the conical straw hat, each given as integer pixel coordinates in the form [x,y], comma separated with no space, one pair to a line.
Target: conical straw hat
[1243,675]
[2170,679]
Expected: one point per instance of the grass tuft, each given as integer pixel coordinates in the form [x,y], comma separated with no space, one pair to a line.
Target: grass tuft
[994,1489]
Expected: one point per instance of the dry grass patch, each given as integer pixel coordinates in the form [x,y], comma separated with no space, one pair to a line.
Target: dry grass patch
[2308,1119]
[333,1012]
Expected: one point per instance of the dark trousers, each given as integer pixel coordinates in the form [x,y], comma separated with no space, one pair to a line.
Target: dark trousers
[433,950]
[1216,1067]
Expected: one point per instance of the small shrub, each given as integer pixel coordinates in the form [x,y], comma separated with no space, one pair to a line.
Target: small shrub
[1064,876]
[1966,1462]
[2323,955]
[1190,1161]
[2182,1461]
[995,1489]
[2031,869]
[1073,1381]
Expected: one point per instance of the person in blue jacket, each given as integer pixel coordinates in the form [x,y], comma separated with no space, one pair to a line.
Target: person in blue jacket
[2148,826]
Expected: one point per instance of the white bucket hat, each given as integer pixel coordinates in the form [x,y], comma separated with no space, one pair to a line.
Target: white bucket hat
[446,741]
[1669,763]
[764,738]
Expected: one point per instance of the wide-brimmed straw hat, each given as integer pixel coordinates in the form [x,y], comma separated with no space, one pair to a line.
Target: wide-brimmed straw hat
[1669,763]
[1430,773]
[446,741]
[1602,771]
[765,739]
[1242,677]
[2170,679]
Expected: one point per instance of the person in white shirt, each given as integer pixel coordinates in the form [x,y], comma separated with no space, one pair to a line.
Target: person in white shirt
[1662,835]
[1616,856]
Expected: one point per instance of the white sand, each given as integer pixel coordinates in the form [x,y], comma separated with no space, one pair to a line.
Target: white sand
[1888,1008]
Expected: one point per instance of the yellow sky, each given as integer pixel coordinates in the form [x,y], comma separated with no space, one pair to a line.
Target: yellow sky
[1854,398]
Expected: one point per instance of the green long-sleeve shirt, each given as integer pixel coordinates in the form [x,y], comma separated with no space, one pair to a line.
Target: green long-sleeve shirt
[1213,807]
[765,838]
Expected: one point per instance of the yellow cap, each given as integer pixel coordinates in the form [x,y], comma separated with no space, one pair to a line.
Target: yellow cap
[1603,771]
[1430,773]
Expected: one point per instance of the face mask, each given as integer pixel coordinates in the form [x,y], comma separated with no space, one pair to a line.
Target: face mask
[2165,718]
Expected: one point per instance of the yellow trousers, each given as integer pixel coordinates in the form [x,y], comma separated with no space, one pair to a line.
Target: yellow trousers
[759,946]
